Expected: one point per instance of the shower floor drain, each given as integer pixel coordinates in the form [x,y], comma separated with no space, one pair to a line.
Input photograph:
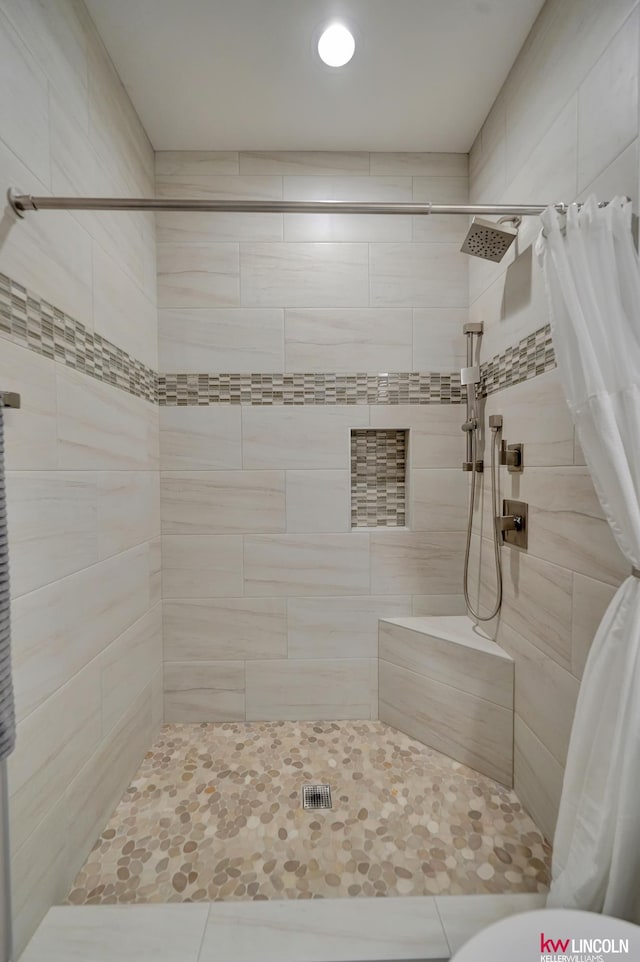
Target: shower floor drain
[316,796]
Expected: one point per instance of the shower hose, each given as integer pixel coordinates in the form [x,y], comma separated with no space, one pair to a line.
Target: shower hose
[496,543]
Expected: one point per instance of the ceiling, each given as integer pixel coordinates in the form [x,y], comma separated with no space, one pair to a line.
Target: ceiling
[245,75]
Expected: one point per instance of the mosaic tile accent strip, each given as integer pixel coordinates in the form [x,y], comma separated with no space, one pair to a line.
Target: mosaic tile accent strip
[215,813]
[532,355]
[267,389]
[35,324]
[378,478]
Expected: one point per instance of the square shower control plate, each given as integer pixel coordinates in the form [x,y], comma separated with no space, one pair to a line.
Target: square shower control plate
[518,509]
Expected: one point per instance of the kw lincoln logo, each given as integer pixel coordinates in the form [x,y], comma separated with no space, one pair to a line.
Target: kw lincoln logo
[581,950]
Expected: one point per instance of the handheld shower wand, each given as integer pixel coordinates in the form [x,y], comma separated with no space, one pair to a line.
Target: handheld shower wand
[471,376]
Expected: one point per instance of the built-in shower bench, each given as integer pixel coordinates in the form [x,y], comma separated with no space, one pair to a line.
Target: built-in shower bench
[444,682]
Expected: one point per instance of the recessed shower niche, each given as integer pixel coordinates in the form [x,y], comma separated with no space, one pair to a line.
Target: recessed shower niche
[379,478]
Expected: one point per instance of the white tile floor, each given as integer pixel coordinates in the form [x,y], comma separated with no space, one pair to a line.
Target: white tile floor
[327,930]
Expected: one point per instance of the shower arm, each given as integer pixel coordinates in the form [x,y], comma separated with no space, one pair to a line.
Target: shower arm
[21,203]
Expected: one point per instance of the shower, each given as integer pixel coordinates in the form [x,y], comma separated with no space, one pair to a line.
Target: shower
[490,240]
[470,377]
[501,453]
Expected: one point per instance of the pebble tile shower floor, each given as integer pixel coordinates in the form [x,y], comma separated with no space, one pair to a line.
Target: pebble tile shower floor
[215,812]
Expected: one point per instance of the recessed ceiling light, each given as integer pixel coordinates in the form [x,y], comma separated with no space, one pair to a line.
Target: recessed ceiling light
[336,45]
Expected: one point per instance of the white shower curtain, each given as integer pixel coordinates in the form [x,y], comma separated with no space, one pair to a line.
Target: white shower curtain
[592,275]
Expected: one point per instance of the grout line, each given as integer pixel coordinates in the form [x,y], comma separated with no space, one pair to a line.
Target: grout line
[444,929]
[204,933]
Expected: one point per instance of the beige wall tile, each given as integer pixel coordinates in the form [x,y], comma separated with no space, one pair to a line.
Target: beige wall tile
[76,168]
[191,227]
[416,645]
[92,795]
[204,692]
[440,228]
[160,933]
[215,187]
[566,525]
[488,155]
[541,80]
[101,427]
[52,745]
[419,164]
[435,438]
[318,501]
[591,599]
[58,44]
[416,561]
[222,502]
[223,630]
[24,102]
[437,497]
[128,509]
[74,132]
[157,701]
[463,916]
[116,299]
[305,437]
[201,565]
[316,162]
[304,275]
[340,627]
[537,602]
[306,564]
[49,255]
[30,433]
[333,929]
[114,127]
[475,732]
[189,163]
[347,227]
[438,341]
[198,275]
[536,414]
[608,103]
[374,189]
[53,526]
[619,177]
[154,559]
[60,628]
[127,665]
[426,605]
[537,778]
[200,438]
[417,275]
[310,689]
[39,874]
[242,340]
[348,340]
[546,694]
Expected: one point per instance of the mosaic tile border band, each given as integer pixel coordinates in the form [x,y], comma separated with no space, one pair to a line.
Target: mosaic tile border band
[378,478]
[531,356]
[270,389]
[34,323]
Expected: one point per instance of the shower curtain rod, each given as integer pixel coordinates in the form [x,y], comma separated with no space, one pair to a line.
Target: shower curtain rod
[27,202]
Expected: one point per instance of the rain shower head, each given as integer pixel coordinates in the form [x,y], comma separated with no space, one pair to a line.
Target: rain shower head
[488,239]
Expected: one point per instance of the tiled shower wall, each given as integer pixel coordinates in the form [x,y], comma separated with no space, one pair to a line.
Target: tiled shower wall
[271,602]
[565,124]
[81,455]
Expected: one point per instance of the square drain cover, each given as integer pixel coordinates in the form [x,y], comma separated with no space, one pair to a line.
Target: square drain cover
[316,796]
